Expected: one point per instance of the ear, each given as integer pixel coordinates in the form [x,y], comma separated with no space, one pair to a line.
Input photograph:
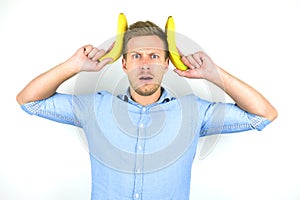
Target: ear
[124,66]
[166,64]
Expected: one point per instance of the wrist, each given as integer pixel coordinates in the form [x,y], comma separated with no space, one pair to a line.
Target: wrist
[214,75]
[72,67]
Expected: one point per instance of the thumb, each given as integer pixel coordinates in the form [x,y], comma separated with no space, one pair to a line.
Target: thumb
[110,47]
[179,72]
[104,62]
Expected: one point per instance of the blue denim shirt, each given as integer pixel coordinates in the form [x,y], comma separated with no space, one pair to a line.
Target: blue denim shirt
[143,152]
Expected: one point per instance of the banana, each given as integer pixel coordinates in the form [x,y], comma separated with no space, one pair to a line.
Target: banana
[116,50]
[174,54]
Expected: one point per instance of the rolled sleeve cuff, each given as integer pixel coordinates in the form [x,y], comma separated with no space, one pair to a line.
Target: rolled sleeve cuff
[258,122]
[37,108]
[31,108]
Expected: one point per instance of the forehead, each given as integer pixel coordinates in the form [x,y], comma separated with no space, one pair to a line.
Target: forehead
[145,43]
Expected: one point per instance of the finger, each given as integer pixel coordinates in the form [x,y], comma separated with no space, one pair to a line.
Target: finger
[197,57]
[193,62]
[187,62]
[98,54]
[87,49]
[92,52]
[180,53]
[179,72]
[183,73]
[104,62]
[110,48]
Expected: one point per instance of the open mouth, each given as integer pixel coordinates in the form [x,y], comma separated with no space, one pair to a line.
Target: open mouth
[145,78]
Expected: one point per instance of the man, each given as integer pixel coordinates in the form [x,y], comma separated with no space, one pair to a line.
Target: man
[142,143]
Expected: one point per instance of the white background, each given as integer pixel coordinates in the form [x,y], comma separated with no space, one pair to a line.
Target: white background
[257,41]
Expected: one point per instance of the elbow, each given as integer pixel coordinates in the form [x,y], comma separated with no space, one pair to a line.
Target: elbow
[20,99]
[275,115]
[271,114]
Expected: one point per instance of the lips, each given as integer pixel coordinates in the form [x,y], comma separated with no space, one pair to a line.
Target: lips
[145,78]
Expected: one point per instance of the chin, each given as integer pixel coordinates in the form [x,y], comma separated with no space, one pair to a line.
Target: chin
[147,90]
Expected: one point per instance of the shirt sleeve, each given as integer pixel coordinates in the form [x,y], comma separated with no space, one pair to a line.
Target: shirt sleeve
[227,118]
[58,107]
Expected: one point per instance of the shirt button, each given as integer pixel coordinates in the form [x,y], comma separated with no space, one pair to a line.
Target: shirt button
[141,125]
[144,109]
[136,195]
[138,170]
[140,147]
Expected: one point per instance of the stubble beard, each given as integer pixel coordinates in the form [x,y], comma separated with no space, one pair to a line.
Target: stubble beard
[147,89]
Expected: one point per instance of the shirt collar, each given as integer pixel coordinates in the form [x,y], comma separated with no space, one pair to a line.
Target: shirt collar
[164,98]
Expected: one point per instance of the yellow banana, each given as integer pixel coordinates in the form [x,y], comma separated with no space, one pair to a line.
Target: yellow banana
[116,50]
[174,54]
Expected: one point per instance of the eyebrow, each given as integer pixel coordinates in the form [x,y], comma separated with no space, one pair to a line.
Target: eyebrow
[158,51]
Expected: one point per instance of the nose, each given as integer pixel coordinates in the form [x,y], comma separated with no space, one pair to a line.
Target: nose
[145,67]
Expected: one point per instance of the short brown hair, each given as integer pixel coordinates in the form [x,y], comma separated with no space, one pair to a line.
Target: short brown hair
[145,28]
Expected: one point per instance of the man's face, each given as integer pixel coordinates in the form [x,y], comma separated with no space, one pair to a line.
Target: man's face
[145,64]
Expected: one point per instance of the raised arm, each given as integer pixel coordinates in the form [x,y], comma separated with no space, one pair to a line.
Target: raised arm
[46,84]
[245,96]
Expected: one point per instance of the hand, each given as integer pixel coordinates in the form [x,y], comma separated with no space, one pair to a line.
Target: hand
[87,59]
[199,66]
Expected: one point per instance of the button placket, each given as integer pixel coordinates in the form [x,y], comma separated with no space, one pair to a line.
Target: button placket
[139,151]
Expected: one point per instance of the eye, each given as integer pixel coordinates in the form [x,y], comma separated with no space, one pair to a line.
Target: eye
[136,56]
[154,56]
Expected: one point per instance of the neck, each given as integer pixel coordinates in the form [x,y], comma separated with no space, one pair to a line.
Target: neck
[145,100]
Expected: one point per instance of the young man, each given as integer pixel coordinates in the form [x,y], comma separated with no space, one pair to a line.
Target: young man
[142,143]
